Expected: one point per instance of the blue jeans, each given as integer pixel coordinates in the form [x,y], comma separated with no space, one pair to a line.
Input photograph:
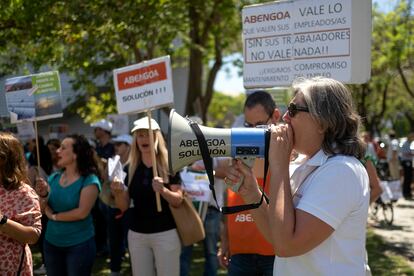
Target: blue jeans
[251,265]
[76,260]
[212,229]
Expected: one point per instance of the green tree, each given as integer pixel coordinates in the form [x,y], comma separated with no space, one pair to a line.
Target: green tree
[88,39]
[384,98]
[224,108]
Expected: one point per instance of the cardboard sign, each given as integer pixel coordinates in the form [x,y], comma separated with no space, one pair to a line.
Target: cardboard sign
[34,97]
[144,86]
[306,38]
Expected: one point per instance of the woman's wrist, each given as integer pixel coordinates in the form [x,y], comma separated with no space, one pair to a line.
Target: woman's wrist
[54,217]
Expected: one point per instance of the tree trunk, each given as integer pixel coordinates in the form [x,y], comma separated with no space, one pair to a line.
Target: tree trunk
[211,79]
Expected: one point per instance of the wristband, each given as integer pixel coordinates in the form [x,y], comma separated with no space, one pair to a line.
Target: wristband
[54,217]
[3,220]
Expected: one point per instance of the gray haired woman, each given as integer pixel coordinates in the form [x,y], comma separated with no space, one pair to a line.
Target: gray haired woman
[316,218]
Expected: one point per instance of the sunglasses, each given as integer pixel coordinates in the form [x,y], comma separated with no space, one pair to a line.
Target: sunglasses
[293,109]
[247,124]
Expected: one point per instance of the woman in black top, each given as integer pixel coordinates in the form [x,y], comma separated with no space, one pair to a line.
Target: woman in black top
[154,245]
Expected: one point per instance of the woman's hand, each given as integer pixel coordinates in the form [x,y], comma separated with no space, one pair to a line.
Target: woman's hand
[117,187]
[281,145]
[158,184]
[49,213]
[223,256]
[41,187]
[249,188]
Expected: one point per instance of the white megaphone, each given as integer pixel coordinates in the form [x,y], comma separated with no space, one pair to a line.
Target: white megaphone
[242,143]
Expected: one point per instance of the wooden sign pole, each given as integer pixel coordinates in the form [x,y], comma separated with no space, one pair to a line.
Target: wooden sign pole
[37,147]
[154,160]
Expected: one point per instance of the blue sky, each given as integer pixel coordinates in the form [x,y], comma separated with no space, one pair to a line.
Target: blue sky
[229,82]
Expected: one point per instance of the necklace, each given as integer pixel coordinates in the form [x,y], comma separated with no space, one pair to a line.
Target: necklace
[64,180]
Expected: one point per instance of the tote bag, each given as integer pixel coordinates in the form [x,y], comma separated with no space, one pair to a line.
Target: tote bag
[189,225]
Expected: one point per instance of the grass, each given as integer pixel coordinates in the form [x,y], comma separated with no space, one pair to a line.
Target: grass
[382,257]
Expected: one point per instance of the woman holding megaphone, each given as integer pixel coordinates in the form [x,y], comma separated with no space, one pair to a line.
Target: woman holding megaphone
[153,241]
[316,218]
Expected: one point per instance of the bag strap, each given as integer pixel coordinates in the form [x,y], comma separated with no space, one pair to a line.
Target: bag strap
[208,164]
[208,161]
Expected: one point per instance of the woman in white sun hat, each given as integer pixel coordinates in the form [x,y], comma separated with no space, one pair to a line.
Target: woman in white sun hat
[153,240]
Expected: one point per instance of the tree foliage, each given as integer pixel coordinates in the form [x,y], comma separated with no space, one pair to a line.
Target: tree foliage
[224,108]
[88,39]
[382,102]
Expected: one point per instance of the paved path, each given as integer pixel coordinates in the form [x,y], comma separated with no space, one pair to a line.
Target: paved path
[401,233]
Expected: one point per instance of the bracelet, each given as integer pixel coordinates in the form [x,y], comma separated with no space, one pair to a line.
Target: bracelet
[3,220]
[54,217]
[47,194]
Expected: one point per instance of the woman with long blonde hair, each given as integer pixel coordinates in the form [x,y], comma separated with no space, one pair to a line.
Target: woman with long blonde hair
[153,241]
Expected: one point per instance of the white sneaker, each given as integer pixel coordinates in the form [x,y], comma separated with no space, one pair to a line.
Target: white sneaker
[40,271]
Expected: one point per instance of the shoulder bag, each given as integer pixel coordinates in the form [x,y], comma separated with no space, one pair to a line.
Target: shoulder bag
[189,225]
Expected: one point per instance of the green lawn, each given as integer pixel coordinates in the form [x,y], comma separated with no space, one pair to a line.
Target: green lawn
[382,257]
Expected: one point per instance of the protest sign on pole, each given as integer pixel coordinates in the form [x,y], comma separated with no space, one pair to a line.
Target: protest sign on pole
[305,38]
[143,87]
[33,98]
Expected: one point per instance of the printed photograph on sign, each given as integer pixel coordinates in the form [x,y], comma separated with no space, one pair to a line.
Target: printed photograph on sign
[144,86]
[34,97]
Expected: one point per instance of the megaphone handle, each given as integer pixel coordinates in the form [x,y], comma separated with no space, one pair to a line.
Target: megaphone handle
[154,160]
[248,161]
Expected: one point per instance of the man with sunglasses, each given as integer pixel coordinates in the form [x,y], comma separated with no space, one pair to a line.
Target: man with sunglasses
[244,251]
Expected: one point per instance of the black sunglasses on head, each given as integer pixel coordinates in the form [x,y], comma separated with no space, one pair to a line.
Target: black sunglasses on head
[293,109]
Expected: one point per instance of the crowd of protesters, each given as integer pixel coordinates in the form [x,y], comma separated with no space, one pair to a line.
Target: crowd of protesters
[87,214]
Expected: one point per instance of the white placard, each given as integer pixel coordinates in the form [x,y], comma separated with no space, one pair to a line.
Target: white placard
[305,38]
[196,185]
[144,86]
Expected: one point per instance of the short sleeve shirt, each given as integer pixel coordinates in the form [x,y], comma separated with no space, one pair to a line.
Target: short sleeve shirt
[337,193]
[63,199]
[22,206]
[144,217]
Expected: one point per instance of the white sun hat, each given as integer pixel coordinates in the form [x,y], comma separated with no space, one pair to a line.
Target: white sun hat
[104,124]
[143,124]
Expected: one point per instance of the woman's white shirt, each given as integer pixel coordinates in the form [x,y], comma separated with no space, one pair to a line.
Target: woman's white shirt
[335,190]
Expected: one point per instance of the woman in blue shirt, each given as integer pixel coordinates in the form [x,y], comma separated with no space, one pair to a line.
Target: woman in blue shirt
[68,199]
